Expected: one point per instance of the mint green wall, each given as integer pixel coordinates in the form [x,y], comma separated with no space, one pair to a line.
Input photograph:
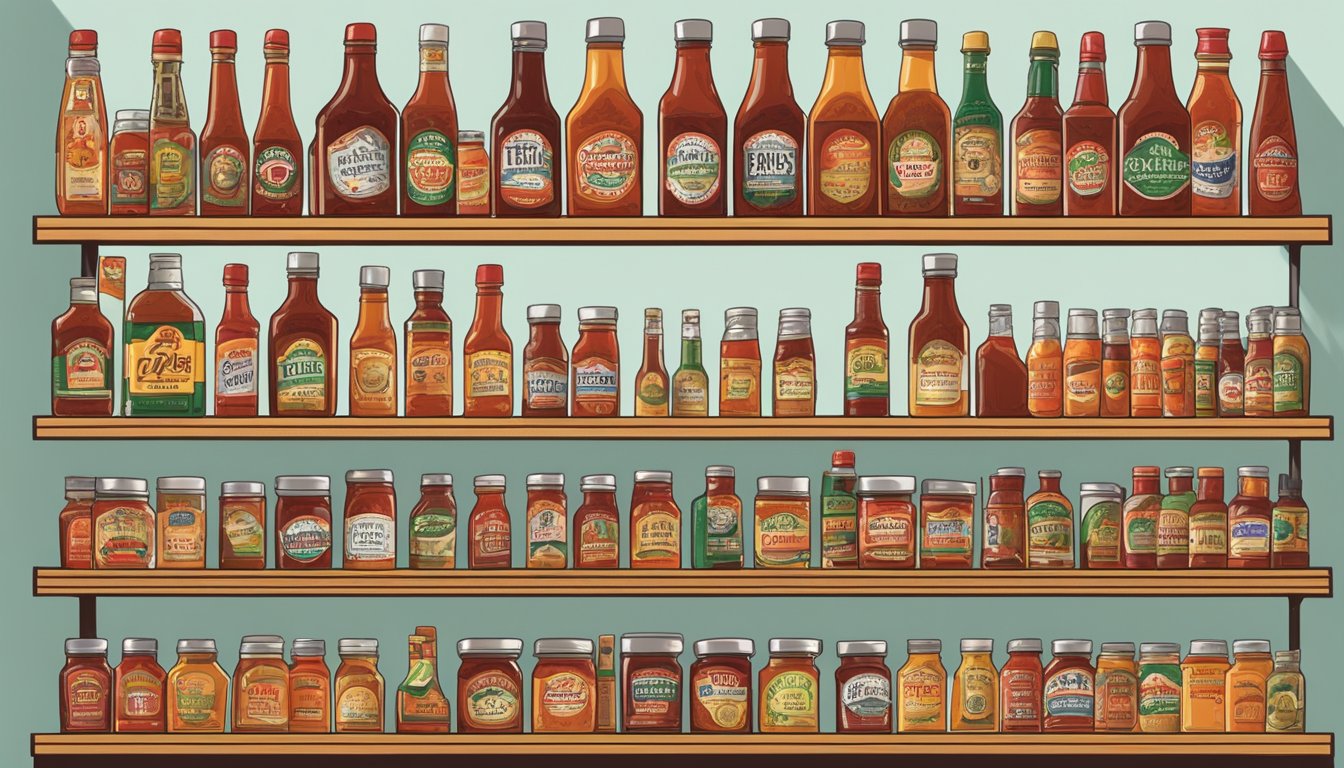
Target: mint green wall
[32,44]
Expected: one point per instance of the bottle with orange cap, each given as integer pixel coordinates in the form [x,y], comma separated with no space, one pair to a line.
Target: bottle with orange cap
[81,131]
[1154,137]
[487,369]
[172,143]
[1273,141]
[356,147]
[1215,120]
[225,164]
[1037,140]
[1089,137]
[839,524]
[277,149]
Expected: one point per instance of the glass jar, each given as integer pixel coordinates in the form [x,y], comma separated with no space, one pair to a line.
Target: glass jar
[76,523]
[433,522]
[721,685]
[1069,693]
[261,686]
[1159,687]
[651,677]
[547,522]
[1245,703]
[1117,696]
[783,512]
[358,690]
[1099,536]
[473,185]
[862,687]
[1139,515]
[1204,687]
[489,532]
[564,686]
[370,520]
[597,524]
[129,149]
[922,684]
[789,685]
[198,689]
[242,525]
[740,364]
[886,521]
[947,519]
[1005,534]
[302,521]
[655,522]
[181,515]
[139,682]
[1249,517]
[716,514]
[596,364]
[975,688]
[1020,684]
[123,523]
[489,685]
[1286,695]
[86,687]
[309,687]
[545,364]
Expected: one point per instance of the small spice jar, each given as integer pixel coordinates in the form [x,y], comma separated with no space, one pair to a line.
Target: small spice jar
[975,688]
[433,524]
[76,523]
[655,521]
[181,514]
[489,535]
[86,687]
[1286,695]
[1069,688]
[1099,538]
[564,686]
[789,685]
[309,687]
[1117,696]
[123,523]
[129,172]
[1204,687]
[545,364]
[1245,703]
[139,683]
[795,365]
[596,364]
[862,687]
[547,524]
[242,525]
[783,522]
[922,683]
[597,524]
[370,520]
[721,685]
[886,521]
[302,521]
[651,674]
[1020,684]
[358,691]
[261,686]
[489,685]
[473,174]
[1005,533]
[946,522]
[199,688]
[1159,687]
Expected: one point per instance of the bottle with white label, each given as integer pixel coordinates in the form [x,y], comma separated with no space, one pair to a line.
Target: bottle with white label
[545,364]
[525,134]
[370,520]
[596,369]
[236,349]
[690,384]
[354,162]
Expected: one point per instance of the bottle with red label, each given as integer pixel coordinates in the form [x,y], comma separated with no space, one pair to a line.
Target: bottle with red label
[277,150]
[692,131]
[429,157]
[1089,137]
[355,168]
[1037,136]
[769,131]
[843,132]
[525,134]
[81,355]
[604,132]
[1215,117]
[172,143]
[915,130]
[1154,132]
[81,132]
[1273,141]
[225,164]
[236,345]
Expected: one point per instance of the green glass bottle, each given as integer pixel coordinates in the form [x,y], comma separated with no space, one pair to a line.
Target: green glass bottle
[164,336]
[690,384]
[717,519]
[839,513]
[977,137]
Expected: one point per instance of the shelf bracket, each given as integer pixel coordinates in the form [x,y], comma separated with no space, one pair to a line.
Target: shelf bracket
[1294,273]
[1294,623]
[88,616]
[88,259]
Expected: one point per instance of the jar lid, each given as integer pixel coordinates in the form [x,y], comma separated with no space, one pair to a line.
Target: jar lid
[1152,33]
[1009,472]
[1115,312]
[1071,647]
[270,645]
[78,483]
[546,480]
[923,646]
[740,317]
[132,115]
[434,33]
[1288,657]
[861,648]
[940,265]
[298,262]
[182,484]
[139,646]
[1025,645]
[1158,649]
[885,484]
[543,313]
[357,646]
[562,646]
[1000,310]
[1110,489]
[720,470]
[374,277]
[606,29]
[303,484]
[511,647]
[693,30]
[470,136]
[842,459]
[1208,647]
[530,34]
[427,279]
[196,645]
[1253,471]
[770,29]
[488,481]
[597,483]
[1049,473]
[1083,322]
[725,646]
[1250,646]
[952,487]
[801,646]
[368,476]
[597,314]
[845,32]
[121,486]
[919,32]
[86,646]
[787,485]
[436,479]
[242,488]
[1118,649]
[977,645]
[653,476]
[651,642]
[1045,310]
[308,647]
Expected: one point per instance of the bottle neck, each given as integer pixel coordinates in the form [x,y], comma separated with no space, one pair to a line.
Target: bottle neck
[720,485]
[653,345]
[529,76]
[433,69]
[605,67]
[1043,78]
[428,299]
[1091,87]
[690,353]
[1153,72]
[939,290]
[691,74]
[235,300]
[539,330]
[224,88]
[844,70]
[1254,486]
[373,303]
[867,302]
[303,287]
[489,305]
[1050,484]
[1210,489]
[361,71]
[1177,485]
[1001,326]
[917,70]
[1145,485]
[275,88]
[1273,68]
[770,68]
[973,81]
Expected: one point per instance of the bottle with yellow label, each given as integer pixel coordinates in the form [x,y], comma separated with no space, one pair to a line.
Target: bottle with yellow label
[1244,703]
[740,364]
[1286,695]
[939,341]
[651,393]
[302,341]
[922,687]
[359,687]
[690,384]
[1204,687]
[975,688]
[164,333]
[789,686]
[373,349]
[867,350]
[1082,365]
[487,375]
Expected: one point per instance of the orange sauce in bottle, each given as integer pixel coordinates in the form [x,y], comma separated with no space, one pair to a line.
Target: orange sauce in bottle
[769,131]
[739,364]
[354,163]
[604,132]
[429,151]
[358,690]
[261,686]
[309,687]
[1273,141]
[197,689]
[1250,520]
[655,522]
[1178,365]
[140,689]
[1154,132]
[1089,137]
[277,149]
[1244,706]
[76,523]
[422,706]
[1115,363]
[487,375]
[129,182]
[1082,365]
[1045,362]
[564,686]
[795,365]
[1037,136]
[429,349]
[82,132]
[1145,365]
[915,130]
[652,381]
[692,131]
[1215,117]
[373,349]
[844,172]
[225,164]
[489,534]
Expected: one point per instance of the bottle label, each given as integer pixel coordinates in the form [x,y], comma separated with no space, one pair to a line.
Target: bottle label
[226,183]
[123,537]
[548,383]
[1115,385]
[1245,701]
[940,374]
[1213,162]
[1049,534]
[1290,529]
[171,164]
[182,522]
[1259,386]
[275,174]
[526,178]
[599,542]
[790,701]
[978,169]
[130,177]
[1145,379]
[1275,165]
[725,694]
[1159,697]
[301,377]
[434,535]
[79,540]
[1021,697]
[236,367]
[431,168]
[491,373]
[82,143]
[1088,167]
[244,532]
[547,535]
[694,168]
[845,166]
[867,695]
[606,167]
[651,399]
[359,164]
[1140,516]
[374,379]
[1249,537]
[866,372]
[887,531]
[1230,395]
[358,706]
[1117,693]
[1155,167]
[596,384]
[163,361]
[977,705]
[923,697]
[1208,532]
[1100,534]
[309,695]
[1288,381]
[690,393]
[195,694]
[81,370]
[723,527]
[657,535]
[491,534]
[1069,693]
[946,530]
[783,536]
[739,379]
[915,165]
[263,696]
[429,358]
[1173,526]
[1082,386]
[769,170]
[654,692]
[1044,383]
[795,387]
[1038,160]
[473,190]
[305,538]
[839,529]
[1206,390]
[370,537]
[491,700]
[564,695]
[88,692]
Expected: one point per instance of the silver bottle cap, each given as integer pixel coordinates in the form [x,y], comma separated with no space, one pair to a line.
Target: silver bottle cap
[1152,33]
[739,324]
[606,29]
[923,646]
[720,470]
[470,137]
[368,476]
[488,481]
[1009,472]
[1253,471]
[490,646]
[919,32]
[84,289]
[977,645]
[79,483]
[301,262]
[795,323]
[861,648]
[189,484]
[196,645]
[1208,647]
[305,646]
[562,646]
[357,646]
[885,484]
[1145,322]
[948,487]
[434,33]
[1071,647]
[121,486]
[761,29]
[427,279]
[302,485]
[1109,489]
[597,483]
[549,313]
[795,646]
[86,646]
[651,642]
[273,645]
[1250,646]
[1118,649]
[1180,472]
[597,314]
[433,479]
[1287,321]
[940,265]
[139,646]
[1025,645]
[546,480]
[845,32]
[653,476]
[786,485]
[1083,323]
[694,30]
[529,35]
[724,646]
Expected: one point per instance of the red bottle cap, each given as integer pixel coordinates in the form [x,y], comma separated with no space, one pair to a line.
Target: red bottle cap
[277,40]
[1273,45]
[1212,42]
[361,32]
[83,40]
[235,274]
[167,41]
[489,274]
[224,38]
[870,271]
[1093,47]
[842,459]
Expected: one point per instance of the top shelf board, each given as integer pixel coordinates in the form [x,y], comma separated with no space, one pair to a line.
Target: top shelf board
[650,230]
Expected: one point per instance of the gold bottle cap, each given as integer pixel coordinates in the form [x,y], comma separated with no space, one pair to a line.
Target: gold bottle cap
[1044,40]
[975,41]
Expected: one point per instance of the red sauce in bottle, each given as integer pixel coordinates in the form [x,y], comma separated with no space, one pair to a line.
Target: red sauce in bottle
[720,686]
[692,131]
[302,343]
[86,691]
[429,349]
[236,349]
[81,355]
[489,685]
[370,520]
[1037,136]
[1154,132]
[915,131]
[76,523]
[302,521]
[1089,137]
[769,131]
[1020,685]
[140,696]
[1069,696]
[1250,520]
[862,687]
[356,144]
[429,156]
[651,678]
[595,374]
[525,134]
[489,536]
[1215,117]
[1272,175]
[1208,521]
[1000,375]
[597,524]
[545,364]
[1005,534]
[867,353]
[1139,518]
[225,164]
[277,149]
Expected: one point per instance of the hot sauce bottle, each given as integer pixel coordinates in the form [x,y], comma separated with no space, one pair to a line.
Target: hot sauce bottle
[1000,375]
[596,368]
[489,537]
[429,349]
[1115,375]
[128,184]
[546,522]
[977,137]
[429,155]
[81,355]
[1215,117]
[717,519]
[1178,365]
[839,513]
[597,524]
[1231,366]
[1045,362]
[1145,365]
[356,143]
[164,337]
[739,364]
[302,344]
[86,691]
[82,178]
[1138,518]
[1258,382]
[844,170]
[1049,524]
[1173,521]
[692,131]
[525,133]
[1249,520]
[1020,687]
[1290,546]
[794,382]
[373,349]
[487,376]
[652,383]
[690,384]
[939,342]
[172,143]
[433,524]
[655,522]
[1292,364]
[867,360]
[1273,140]
[1005,533]
[1206,362]
[1208,521]
[76,523]
[915,130]
[862,687]
[236,349]
[1154,132]
[1037,150]
[277,150]
[224,148]
[309,687]
[769,131]
[604,132]
[1089,137]
[545,364]
[1082,365]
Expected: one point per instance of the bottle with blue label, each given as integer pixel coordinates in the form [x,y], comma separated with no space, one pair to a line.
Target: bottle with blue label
[1215,122]
[1249,517]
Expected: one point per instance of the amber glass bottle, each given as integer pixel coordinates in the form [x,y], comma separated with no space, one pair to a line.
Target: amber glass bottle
[1231,366]
[1045,362]
[309,687]
[939,343]
[915,130]
[81,355]
[302,346]
[277,150]
[1154,132]
[545,364]
[525,134]
[1115,373]
[356,145]
[373,349]
[1145,365]
[1208,521]
[692,131]
[224,157]
[1037,148]
[604,132]
[82,173]
[489,533]
[487,365]
[1215,119]
[740,364]
[1273,140]
[429,158]
[1082,365]
[422,706]
[236,349]
[1000,375]
[429,349]
[1249,520]
[867,353]
[652,382]
[769,131]
[164,340]
[844,172]
[794,381]
[1178,365]
[1089,137]
[172,143]
[595,373]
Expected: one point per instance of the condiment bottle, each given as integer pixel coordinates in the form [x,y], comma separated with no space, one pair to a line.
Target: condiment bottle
[690,383]
[242,525]
[922,686]
[1045,362]
[373,349]
[1145,365]
[739,364]
[692,131]
[1117,684]
[946,523]
[128,187]
[1154,132]
[358,688]
[789,685]
[655,522]
[1208,521]
[795,365]
[172,157]
[1005,533]
[1020,686]
[81,355]
[489,685]
[770,131]
[1204,687]
[1215,119]
[1244,705]
[1115,363]
[1049,524]
[370,520]
[1292,364]
[261,686]
[862,687]
[140,691]
[596,364]
[839,513]
[302,521]
[977,136]
[525,133]
[975,688]
[200,700]
[1159,687]
[81,133]
[309,687]
[487,375]
[545,364]
[606,681]
[651,682]
[844,169]
[1231,366]
[604,132]
[1100,542]
[1178,365]
[123,524]
[939,344]
[783,522]
[433,524]
[1272,175]
[1206,362]
[717,520]
[225,173]
[1289,549]
[1000,375]
[429,152]
[1069,693]
[1249,518]
[164,334]
[429,349]
[915,130]
[303,349]
[356,150]
[1140,516]
[1173,521]
[489,537]
[473,188]
[1259,367]
[277,149]
[86,687]
[886,521]
[597,524]
[1089,136]
[1037,131]
[867,355]
[1082,365]
[180,506]
[721,685]
[1286,694]
[237,349]
[76,523]
[547,521]
[564,683]
[653,383]
[422,706]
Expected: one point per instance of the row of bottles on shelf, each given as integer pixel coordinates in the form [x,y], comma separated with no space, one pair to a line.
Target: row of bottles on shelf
[869,521]
[1104,368]
[1155,156]
[1252,691]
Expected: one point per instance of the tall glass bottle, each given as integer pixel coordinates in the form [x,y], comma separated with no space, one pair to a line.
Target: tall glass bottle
[236,349]
[652,383]
[225,164]
[1089,137]
[1231,366]
[487,353]
[839,509]
[939,343]
[1145,365]
[1178,365]
[1082,364]
[81,355]
[1215,119]
[604,132]
[422,706]
[1273,140]
[794,370]
[977,136]
[373,349]
[525,133]
[717,519]
[1154,132]
[429,349]
[1045,362]
[1000,375]
[277,150]
[844,171]
[1292,364]
[429,158]
[1038,155]
[1207,351]
[355,156]
[164,334]
[82,132]
[1208,521]
[690,384]
[915,130]
[740,364]
[302,346]
[867,350]
[1258,387]
[769,131]
[1173,521]
[692,131]
[172,143]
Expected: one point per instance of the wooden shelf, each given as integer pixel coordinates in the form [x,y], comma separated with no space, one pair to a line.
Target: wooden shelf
[750,582]
[715,428]
[650,230]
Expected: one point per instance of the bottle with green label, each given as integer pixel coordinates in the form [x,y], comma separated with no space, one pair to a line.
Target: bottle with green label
[717,517]
[839,513]
[429,133]
[1155,138]
[1049,524]
[977,137]
[690,384]
[1292,364]
[164,334]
